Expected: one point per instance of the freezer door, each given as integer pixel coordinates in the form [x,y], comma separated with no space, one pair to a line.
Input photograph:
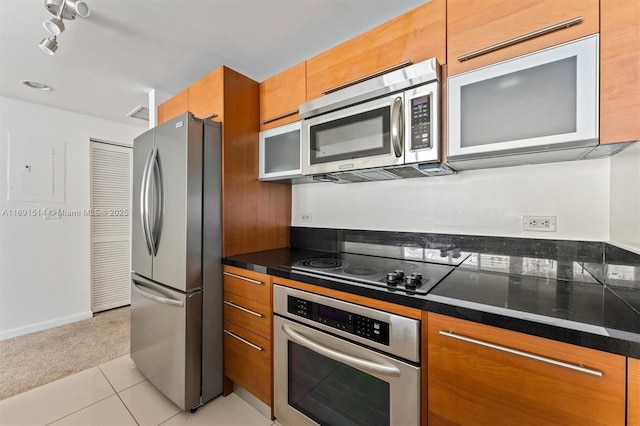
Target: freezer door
[141,259]
[177,224]
[166,346]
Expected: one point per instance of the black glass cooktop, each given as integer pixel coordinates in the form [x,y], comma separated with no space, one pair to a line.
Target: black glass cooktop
[409,276]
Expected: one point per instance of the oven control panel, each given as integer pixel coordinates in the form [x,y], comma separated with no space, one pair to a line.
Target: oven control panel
[358,325]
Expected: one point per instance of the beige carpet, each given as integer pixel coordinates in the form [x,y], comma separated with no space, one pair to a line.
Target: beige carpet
[34,359]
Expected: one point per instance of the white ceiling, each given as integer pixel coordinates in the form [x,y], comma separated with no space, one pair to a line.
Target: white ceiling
[106,64]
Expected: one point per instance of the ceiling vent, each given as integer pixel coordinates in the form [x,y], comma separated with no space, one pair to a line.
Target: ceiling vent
[140,112]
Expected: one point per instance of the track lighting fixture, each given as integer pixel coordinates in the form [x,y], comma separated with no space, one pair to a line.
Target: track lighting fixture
[62,9]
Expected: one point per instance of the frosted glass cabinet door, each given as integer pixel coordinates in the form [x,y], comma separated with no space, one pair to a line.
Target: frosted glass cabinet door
[539,100]
[280,153]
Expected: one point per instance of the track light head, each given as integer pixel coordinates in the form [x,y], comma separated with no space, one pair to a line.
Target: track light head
[49,45]
[79,7]
[54,26]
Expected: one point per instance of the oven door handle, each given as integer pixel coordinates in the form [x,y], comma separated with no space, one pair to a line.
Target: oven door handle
[361,364]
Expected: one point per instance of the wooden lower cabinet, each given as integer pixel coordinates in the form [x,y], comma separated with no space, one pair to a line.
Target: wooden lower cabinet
[633,392]
[248,314]
[247,358]
[248,284]
[482,375]
[248,332]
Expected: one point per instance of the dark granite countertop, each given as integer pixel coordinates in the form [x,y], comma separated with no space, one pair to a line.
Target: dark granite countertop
[577,302]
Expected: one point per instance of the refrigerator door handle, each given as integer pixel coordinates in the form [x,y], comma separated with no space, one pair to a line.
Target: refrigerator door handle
[158,217]
[155,298]
[144,202]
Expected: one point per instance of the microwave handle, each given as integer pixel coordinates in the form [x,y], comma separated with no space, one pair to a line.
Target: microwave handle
[397,126]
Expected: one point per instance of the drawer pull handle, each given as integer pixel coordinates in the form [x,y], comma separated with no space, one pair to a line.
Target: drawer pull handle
[240,277]
[523,354]
[278,117]
[367,77]
[249,311]
[246,342]
[521,38]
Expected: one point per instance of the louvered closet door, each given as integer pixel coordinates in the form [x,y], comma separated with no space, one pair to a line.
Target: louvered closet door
[110,226]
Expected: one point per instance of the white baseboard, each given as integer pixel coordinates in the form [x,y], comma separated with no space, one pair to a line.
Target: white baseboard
[14,332]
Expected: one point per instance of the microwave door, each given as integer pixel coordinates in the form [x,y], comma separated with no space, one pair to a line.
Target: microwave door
[364,136]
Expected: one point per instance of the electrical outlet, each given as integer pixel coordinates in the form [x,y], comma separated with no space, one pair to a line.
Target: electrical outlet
[305,217]
[539,223]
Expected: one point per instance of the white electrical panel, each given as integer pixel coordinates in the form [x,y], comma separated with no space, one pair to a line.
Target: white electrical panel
[36,169]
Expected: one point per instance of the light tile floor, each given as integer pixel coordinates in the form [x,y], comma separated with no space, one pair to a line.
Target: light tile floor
[116,393]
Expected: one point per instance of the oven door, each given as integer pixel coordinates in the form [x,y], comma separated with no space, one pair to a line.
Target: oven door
[359,137]
[322,379]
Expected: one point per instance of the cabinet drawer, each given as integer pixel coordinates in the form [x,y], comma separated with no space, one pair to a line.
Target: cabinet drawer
[248,284]
[248,361]
[498,374]
[474,25]
[248,314]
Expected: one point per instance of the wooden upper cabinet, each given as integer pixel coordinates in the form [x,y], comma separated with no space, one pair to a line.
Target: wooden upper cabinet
[473,25]
[633,392]
[203,98]
[206,96]
[414,36]
[619,71]
[281,95]
[483,375]
[256,215]
[174,106]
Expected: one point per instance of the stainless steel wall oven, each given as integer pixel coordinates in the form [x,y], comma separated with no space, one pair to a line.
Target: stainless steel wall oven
[338,363]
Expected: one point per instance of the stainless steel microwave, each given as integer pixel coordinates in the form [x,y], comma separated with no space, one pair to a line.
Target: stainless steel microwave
[383,128]
[539,107]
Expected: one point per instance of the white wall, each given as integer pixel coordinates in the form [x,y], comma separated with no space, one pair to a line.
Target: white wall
[475,202]
[45,264]
[625,199]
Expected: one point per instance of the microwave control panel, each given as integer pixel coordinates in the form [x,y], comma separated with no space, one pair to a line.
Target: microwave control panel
[421,122]
[358,325]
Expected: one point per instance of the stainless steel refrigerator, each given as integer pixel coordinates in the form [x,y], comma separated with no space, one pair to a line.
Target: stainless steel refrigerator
[176,282]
